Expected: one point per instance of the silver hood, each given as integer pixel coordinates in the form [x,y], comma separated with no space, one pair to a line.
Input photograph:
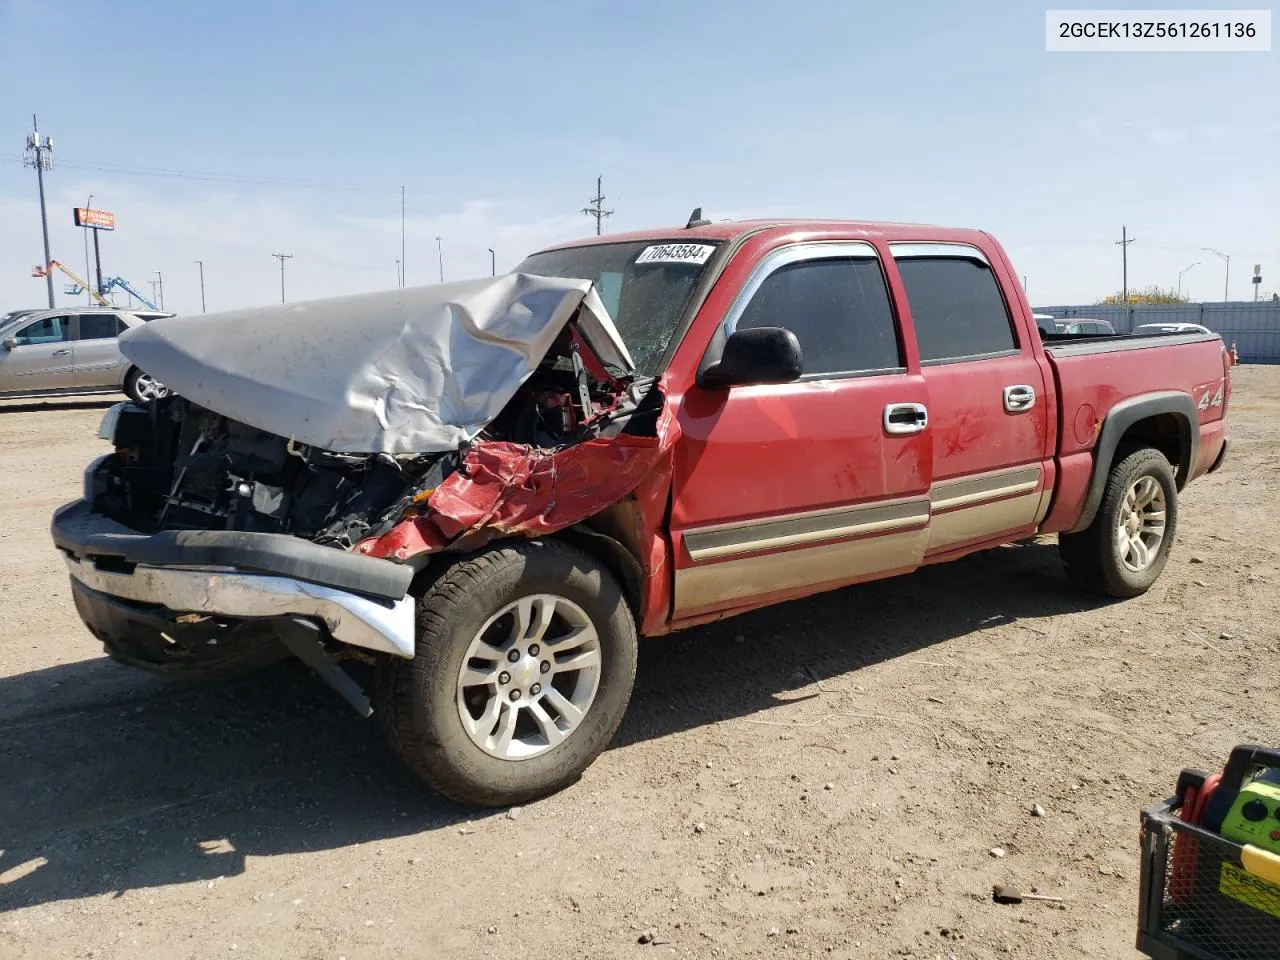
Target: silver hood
[417,370]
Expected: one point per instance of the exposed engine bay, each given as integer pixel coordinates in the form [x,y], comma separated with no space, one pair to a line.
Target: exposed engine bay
[180,466]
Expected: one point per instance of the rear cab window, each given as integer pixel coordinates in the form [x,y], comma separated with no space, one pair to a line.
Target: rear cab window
[834,298]
[956,304]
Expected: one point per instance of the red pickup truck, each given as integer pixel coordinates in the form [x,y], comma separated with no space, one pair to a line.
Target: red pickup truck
[490,489]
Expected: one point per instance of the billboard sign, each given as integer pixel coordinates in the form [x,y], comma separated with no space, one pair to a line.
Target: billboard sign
[97,219]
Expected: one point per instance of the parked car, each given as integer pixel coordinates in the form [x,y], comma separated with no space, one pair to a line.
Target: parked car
[490,488]
[71,351]
[1046,323]
[1148,329]
[1089,328]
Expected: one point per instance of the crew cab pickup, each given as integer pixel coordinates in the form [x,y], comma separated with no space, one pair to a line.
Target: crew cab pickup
[490,489]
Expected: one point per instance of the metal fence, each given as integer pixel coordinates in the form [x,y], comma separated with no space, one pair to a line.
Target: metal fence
[1253,327]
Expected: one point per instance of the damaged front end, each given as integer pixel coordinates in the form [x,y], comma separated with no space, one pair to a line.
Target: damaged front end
[567,445]
[203,538]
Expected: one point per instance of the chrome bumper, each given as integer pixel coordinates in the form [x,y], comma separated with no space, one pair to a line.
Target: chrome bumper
[386,626]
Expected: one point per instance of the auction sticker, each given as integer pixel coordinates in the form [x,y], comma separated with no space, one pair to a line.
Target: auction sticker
[696,253]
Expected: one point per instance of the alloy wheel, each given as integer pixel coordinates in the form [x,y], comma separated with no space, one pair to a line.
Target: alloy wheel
[529,677]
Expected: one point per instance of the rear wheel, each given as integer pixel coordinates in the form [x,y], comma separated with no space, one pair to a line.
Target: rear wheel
[1126,547]
[143,388]
[526,656]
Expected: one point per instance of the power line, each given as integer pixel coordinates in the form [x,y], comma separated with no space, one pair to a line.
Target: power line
[133,170]
[597,209]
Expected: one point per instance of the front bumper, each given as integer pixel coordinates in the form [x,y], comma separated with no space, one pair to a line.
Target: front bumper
[243,576]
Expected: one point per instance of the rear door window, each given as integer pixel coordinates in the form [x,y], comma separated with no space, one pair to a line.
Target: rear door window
[839,310]
[99,326]
[956,307]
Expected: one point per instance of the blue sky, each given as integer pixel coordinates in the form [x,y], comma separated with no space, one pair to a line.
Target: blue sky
[498,117]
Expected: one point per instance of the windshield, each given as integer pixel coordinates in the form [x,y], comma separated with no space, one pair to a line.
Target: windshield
[12,315]
[645,286]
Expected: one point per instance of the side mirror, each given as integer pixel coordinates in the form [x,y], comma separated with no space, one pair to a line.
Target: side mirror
[758,355]
[9,343]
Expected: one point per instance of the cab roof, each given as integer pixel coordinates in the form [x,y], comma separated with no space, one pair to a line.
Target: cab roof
[735,229]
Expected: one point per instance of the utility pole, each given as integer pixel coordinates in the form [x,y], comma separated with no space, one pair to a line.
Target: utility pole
[154,298]
[39,154]
[1226,280]
[88,295]
[97,259]
[597,209]
[440,258]
[160,283]
[400,271]
[201,264]
[1123,244]
[282,257]
[493,265]
[399,278]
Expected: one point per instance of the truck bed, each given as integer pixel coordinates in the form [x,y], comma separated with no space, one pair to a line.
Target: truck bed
[1094,376]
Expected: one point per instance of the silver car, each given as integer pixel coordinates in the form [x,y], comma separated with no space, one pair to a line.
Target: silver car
[1150,329]
[1090,328]
[71,351]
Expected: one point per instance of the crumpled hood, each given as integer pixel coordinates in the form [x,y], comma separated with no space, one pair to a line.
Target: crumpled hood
[417,370]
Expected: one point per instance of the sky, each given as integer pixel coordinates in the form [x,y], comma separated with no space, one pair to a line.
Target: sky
[228,132]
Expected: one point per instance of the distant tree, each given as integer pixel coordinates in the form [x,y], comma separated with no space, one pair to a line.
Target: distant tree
[1151,294]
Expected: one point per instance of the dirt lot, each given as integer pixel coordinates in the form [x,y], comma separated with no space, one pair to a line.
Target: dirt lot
[826,778]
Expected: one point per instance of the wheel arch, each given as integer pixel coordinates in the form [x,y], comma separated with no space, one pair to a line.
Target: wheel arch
[610,552]
[1166,421]
[614,556]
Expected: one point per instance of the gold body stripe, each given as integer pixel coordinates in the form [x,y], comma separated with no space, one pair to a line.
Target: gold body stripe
[753,536]
[730,562]
[971,508]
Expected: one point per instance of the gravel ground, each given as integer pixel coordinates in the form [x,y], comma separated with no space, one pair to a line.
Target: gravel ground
[827,778]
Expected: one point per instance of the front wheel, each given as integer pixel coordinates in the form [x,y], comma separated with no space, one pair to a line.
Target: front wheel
[526,656]
[1126,547]
[143,388]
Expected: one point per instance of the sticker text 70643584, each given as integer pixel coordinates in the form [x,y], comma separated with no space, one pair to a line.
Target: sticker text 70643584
[695,253]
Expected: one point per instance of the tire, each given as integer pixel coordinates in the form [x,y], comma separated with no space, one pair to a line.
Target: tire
[142,389]
[1097,558]
[421,702]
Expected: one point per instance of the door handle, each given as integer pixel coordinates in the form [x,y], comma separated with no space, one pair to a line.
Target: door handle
[1019,398]
[900,418]
[60,353]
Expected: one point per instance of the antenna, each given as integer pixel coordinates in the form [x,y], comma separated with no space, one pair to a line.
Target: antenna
[695,219]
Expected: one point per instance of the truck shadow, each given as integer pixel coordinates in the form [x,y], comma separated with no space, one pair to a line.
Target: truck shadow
[50,405]
[115,780]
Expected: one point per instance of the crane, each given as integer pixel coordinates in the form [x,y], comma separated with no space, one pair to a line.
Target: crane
[101,295]
[44,271]
[113,282]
